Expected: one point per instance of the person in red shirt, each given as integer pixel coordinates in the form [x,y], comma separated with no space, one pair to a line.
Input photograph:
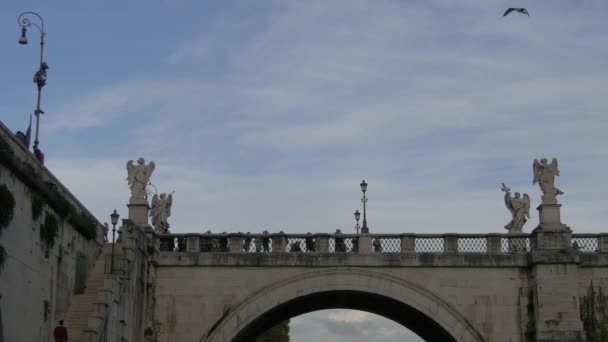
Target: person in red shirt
[38,153]
[61,333]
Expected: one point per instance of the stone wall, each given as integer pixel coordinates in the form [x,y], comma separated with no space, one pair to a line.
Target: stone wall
[38,277]
[542,295]
[593,294]
[190,300]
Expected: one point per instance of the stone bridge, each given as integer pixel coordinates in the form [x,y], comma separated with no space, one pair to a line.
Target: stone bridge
[549,285]
[544,286]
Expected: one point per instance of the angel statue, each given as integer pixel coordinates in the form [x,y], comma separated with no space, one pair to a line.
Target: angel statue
[545,174]
[138,178]
[519,208]
[161,210]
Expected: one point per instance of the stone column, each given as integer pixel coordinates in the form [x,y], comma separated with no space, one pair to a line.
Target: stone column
[365,244]
[193,243]
[450,243]
[493,243]
[236,243]
[279,243]
[603,243]
[555,279]
[322,243]
[408,243]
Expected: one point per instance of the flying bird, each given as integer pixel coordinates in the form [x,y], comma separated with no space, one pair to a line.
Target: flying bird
[520,10]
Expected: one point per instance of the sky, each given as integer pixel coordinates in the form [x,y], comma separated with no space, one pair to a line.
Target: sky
[266,115]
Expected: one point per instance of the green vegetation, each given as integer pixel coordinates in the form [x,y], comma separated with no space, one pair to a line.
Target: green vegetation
[278,333]
[48,231]
[594,314]
[37,204]
[46,193]
[6,152]
[7,212]
[84,225]
[530,333]
[7,206]
[2,257]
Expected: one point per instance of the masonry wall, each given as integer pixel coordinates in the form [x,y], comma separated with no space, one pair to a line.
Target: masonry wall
[593,294]
[37,280]
[190,300]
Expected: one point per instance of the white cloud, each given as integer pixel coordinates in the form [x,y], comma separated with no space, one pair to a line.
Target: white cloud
[347,316]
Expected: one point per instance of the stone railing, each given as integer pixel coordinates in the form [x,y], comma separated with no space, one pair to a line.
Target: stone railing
[368,243]
[590,243]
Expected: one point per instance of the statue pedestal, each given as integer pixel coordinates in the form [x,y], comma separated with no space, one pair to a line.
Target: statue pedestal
[551,233]
[138,213]
[549,215]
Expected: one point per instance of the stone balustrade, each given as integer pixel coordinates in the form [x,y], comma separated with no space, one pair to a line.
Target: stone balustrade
[366,243]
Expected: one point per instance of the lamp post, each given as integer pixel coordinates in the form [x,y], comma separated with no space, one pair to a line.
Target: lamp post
[357,217]
[364,229]
[40,76]
[114,218]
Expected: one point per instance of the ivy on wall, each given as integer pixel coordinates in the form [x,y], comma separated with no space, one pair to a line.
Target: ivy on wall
[37,204]
[2,257]
[48,231]
[7,212]
[594,314]
[7,206]
[46,193]
[6,152]
[84,225]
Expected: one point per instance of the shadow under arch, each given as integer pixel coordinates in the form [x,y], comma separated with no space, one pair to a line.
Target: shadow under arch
[397,299]
[383,306]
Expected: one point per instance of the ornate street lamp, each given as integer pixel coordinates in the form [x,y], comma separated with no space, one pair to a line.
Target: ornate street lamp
[357,217]
[40,76]
[364,229]
[114,218]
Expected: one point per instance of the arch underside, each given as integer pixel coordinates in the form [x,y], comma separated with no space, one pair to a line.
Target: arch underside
[383,306]
[398,299]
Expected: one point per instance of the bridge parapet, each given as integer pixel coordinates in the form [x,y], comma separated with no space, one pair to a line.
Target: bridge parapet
[380,243]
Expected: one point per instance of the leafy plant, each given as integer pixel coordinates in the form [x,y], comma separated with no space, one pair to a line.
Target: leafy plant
[6,152]
[278,333]
[84,225]
[7,206]
[48,231]
[2,257]
[45,193]
[37,204]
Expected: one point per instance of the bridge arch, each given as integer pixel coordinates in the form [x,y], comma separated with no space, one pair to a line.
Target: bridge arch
[350,288]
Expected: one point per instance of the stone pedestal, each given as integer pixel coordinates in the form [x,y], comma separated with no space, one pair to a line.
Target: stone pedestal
[279,243]
[555,279]
[494,243]
[322,243]
[551,233]
[450,243]
[192,243]
[138,213]
[408,243]
[549,217]
[365,243]
[236,243]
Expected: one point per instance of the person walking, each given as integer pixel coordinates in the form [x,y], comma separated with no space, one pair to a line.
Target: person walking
[61,333]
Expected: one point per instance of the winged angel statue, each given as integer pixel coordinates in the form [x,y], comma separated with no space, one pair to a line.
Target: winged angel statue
[519,208]
[161,210]
[544,175]
[138,178]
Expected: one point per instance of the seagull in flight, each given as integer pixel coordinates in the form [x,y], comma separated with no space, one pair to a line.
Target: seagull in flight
[520,10]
